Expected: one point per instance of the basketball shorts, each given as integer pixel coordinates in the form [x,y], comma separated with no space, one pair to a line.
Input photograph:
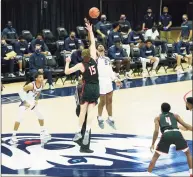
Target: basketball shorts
[31,102]
[90,93]
[106,86]
[171,137]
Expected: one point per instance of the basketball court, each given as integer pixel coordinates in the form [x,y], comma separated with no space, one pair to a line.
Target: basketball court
[124,152]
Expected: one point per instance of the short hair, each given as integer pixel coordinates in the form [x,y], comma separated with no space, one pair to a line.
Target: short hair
[185,15]
[149,8]
[165,107]
[38,74]
[165,8]
[148,40]
[115,25]
[138,28]
[85,53]
[21,37]
[190,100]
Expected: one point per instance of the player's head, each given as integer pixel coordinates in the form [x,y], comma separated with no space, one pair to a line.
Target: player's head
[185,17]
[189,103]
[100,48]
[165,107]
[85,55]
[148,43]
[116,26]
[39,77]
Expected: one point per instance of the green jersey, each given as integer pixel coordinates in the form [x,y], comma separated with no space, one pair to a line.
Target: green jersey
[168,122]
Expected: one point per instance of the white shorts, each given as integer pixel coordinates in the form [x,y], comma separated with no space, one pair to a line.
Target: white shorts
[105,86]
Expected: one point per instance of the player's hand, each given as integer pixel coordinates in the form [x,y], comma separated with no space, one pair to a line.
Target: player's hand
[88,27]
[118,83]
[68,60]
[86,20]
[182,128]
[152,148]
[103,36]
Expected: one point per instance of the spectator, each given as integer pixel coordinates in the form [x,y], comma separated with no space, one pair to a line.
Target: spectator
[124,23]
[37,63]
[186,28]
[9,33]
[149,20]
[183,53]
[153,35]
[120,56]
[114,35]
[39,40]
[5,48]
[135,38]
[72,43]
[147,55]
[102,30]
[77,58]
[165,22]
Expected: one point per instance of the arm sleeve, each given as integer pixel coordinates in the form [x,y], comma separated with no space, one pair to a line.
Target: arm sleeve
[66,44]
[31,62]
[142,53]
[110,40]
[17,48]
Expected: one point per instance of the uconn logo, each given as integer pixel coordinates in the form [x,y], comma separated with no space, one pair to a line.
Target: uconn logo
[114,155]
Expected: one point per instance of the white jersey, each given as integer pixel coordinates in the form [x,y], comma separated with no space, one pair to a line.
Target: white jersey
[31,95]
[105,69]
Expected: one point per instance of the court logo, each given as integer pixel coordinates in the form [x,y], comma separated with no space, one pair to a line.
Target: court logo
[114,155]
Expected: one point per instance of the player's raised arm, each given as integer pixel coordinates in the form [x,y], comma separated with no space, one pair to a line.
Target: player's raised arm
[77,67]
[92,41]
[184,124]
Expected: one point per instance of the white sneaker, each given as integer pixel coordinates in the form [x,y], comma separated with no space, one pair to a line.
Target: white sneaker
[189,68]
[52,87]
[11,75]
[45,136]
[153,73]
[21,73]
[13,140]
[77,136]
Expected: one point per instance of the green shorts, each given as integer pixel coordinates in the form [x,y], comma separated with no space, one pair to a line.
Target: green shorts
[171,137]
[90,93]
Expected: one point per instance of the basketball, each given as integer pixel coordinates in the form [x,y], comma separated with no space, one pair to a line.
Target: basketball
[94,12]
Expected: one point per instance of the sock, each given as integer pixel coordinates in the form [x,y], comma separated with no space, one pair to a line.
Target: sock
[79,129]
[14,133]
[87,128]
[190,170]
[111,118]
[100,118]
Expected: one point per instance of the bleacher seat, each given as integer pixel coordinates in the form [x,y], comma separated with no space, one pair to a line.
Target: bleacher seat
[82,34]
[62,33]
[27,35]
[49,40]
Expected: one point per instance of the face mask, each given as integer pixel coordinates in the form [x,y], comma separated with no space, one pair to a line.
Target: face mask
[103,19]
[184,19]
[123,18]
[38,51]
[9,26]
[165,13]
[149,13]
[153,30]
[72,37]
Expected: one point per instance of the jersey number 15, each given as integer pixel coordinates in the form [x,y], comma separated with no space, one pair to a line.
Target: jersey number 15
[92,70]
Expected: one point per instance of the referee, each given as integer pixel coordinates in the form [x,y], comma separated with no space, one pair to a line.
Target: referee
[83,148]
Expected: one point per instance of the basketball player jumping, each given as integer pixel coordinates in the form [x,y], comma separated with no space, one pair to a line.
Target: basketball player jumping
[90,91]
[29,96]
[167,122]
[106,76]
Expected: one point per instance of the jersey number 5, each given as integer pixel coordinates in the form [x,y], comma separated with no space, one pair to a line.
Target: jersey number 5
[168,120]
[92,70]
